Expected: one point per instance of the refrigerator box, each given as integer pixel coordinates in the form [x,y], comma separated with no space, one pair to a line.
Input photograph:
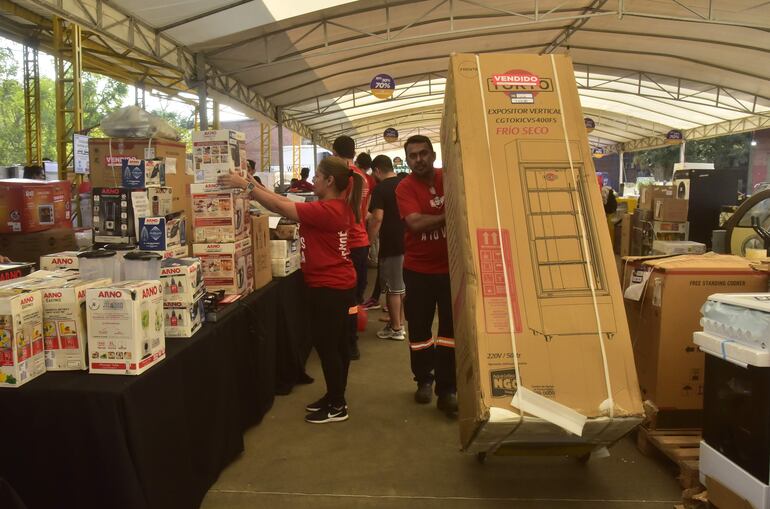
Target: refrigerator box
[29,247]
[182,279]
[283,248]
[162,233]
[34,205]
[125,327]
[64,324]
[22,356]
[143,174]
[261,251]
[216,153]
[282,267]
[675,247]
[15,270]
[535,291]
[663,299]
[670,209]
[63,260]
[227,266]
[650,193]
[218,215]
[183,319]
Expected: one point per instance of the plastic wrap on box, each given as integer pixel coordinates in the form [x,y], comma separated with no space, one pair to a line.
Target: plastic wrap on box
[738,317]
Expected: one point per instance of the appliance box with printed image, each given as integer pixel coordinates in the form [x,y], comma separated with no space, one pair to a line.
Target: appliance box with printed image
[174,252]
[162,233]
[283,248]
[161,201]
[182,279]
[64,324]
[218,215]
[650,193]
[183,319]
[15,270]
[34,205]
[125,327]
[63,260]
[535,292]
[284,266]
[227,266]
[216,153]
[113,215]
[143,174]
[22,355]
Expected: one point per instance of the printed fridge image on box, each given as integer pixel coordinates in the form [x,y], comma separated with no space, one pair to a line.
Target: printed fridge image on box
[543,350]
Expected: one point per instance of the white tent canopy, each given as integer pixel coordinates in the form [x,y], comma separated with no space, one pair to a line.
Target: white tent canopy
[643,66]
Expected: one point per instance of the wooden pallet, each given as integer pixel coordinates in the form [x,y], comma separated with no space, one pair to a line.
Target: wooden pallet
[682,446]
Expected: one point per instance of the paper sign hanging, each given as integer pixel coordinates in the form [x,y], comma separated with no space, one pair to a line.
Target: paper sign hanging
[390,135]
[674,136]
[382,86]
[597,152]
[590,124]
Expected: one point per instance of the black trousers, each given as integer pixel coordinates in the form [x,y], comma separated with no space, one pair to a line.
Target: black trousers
[327,310]
[359,257]
[431,359]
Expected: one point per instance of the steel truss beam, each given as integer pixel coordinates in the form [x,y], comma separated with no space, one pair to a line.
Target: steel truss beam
[69,94]
[32,126]
[265,148]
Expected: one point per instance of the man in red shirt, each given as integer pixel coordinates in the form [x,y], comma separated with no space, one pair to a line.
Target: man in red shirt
[420,199]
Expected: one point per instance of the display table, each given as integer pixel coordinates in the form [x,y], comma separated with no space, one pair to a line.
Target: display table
[158,440]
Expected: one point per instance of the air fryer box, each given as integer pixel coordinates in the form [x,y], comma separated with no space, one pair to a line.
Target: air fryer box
[162,233]
[21,337]
[218,215]
[34,205]
[182,279]
[125,327]
[228,266]
[143,174]
[183,319]
[113,215]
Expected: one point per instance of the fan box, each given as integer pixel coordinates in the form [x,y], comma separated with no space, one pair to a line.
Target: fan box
[21,337]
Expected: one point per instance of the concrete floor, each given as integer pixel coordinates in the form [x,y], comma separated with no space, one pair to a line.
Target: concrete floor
[393,453]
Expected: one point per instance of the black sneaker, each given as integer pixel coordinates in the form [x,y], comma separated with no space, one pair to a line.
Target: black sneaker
[328,414]
[447,403]
[355,353]
[424,393]
[318,405]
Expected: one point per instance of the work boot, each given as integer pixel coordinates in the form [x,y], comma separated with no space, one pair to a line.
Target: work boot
[447,403]
[424,393]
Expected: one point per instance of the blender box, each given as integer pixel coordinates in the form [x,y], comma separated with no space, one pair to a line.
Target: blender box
[34,205]
[162,233]
[285,266]
[21,337]
[143,173]
[228,266]
[182,279]
[113,215]
[183,319]
[218,215]
[62,260]
[283,248]
[217,152]
[160,201]
[64,324]
[125,327]
[14,270]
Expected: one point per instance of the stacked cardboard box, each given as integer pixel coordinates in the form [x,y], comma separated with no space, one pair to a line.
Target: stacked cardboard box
[667,219]
[227,266]
[262,251]
[183,291]
[542,344]
[285,256]
[22,355]
[218,152]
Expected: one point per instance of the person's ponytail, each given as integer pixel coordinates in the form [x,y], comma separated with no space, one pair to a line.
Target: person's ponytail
[355,195]
[346,180]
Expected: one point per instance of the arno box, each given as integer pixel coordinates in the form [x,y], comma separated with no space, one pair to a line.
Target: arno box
[542,341]
[143,174]
[21,337]
[34,205]
[227,266]
[183,319]
[182,279]
[174,252]
[113,215]
[62,260]
[663,298]
[216,153]
[15,270]
[162,233]
[261,251]
[64,324]
[125,327]
[670,209]
[283,248]
[218,215]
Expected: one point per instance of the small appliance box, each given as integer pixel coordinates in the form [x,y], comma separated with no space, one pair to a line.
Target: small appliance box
[283,248]
[649,194]
[14,270]
[183,319]
[175,252]
[64,324]
[218,215]
[113,219]
[162,233]
[143,174]
[63,260]
[160,201]
[216,153]
[227,266]
[182,279]
[675,247]
[283,267]
[670,209]
[22,355]
[125,327]
[261,250]
[34,205]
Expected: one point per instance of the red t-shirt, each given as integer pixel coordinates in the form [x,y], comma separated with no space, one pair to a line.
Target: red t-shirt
[303,186]
[357,237]
[323,232]
[423,252]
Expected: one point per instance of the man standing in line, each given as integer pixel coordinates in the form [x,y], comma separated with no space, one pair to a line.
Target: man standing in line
[386,223]
[358,239]
[420,198]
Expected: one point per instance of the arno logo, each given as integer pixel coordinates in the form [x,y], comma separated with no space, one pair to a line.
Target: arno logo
[503,382]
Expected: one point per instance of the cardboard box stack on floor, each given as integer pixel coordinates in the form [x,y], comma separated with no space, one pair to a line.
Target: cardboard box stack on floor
[663,299]
[541,334]
[668,215]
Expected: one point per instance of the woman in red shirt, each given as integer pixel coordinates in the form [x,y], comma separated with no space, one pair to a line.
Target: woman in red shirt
[329,274]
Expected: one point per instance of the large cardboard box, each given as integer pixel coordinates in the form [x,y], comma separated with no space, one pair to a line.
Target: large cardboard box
[670,209]
[34,205]
[648,194]
[542,344]
[29,247]
[663,298]
[227,266]
[260,247]
[125,327]
[21,337]
[218,215]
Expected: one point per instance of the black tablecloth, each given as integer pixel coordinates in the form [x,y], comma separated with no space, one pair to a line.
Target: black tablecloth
[158,440]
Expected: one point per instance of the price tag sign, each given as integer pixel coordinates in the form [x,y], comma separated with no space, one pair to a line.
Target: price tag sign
[382,86]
